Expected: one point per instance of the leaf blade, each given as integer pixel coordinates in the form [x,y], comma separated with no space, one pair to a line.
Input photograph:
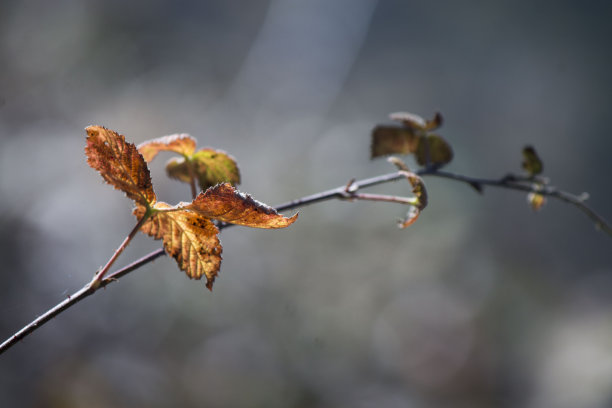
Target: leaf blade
[393,140]
[190,238]
[180,143]
[224,203]
[209,166]
[119,163]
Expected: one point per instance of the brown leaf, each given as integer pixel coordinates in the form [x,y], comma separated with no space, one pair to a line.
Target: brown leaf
[393,140]
[119,163]
[440,152]
[409,120]
[190,238]
[224,203]
[209,166]
[180,143]
[420,192]
[416,122]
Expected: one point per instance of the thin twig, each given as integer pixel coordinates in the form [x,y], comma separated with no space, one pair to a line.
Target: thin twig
[513,183]
[526,184]
[100,275]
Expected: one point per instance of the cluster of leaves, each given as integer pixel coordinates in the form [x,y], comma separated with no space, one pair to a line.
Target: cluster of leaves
[187,230]
[414,136]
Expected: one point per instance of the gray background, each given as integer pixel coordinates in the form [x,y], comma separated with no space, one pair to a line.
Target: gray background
[481,303]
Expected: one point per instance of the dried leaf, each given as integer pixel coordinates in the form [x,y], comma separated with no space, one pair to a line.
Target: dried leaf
[399,163]
[531,161]
[434,123]
[411,217]
[209,166]
[223,202]
[120,164]
[416,122]
[440,152]
[393,140]
[180,143]
[536,201]
[420,192]
[409,120]
[190,238]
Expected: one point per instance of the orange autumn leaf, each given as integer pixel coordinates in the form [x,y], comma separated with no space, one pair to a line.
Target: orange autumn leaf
[120,164]
[191,239]
[181,143]
[224,203]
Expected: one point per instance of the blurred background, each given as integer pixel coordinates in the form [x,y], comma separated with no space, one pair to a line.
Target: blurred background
[481,303]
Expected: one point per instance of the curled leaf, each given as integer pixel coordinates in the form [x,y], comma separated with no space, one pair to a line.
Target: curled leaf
[420,193]
[416,122]
[224,203]
[411,217]
[120,164]
[531,161]
[209,166]
[399,163]
[190,238]
[393,140]
[180,143]
[438,149]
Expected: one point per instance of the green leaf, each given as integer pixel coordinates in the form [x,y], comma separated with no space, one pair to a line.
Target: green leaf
[531,161]
[209,166]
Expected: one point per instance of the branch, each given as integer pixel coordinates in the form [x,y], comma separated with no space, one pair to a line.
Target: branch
[526,184]
[342,192]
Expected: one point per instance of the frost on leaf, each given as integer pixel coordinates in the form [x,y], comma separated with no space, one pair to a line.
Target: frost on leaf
[180,143]
[120,164]
[224,203]
[209,166]
[191,239]
[531,161]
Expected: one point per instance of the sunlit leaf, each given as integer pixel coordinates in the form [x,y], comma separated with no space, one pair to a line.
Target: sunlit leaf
[536,201]
[440,152]
[209,166]
[180,143]
[531,161]
[416,122]
[393,140]
[223,202]
[119,163]
[399,163]
[190,238]
[409,120]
